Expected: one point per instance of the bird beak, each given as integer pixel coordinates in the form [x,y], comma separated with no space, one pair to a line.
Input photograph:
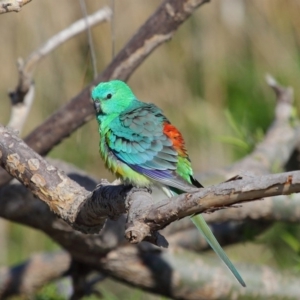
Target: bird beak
[97,106]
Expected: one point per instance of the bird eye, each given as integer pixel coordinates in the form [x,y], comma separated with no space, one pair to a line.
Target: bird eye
[108,96]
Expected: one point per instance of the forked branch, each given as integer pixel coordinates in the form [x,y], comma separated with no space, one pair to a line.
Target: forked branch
[88,213]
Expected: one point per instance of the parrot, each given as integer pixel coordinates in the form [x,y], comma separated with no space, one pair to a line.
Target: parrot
[142,148]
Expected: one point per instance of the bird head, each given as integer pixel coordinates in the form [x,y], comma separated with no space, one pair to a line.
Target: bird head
[112,97]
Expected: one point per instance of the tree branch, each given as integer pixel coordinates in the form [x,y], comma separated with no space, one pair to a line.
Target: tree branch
[26,69]
[62,195]
[135,264]
[67,199]
[176,273]
[26,278]
[181,274]
[227,233]
[275,149]
[108,201]
[20,110]
[158,29]
[273,152]
[23,95]
[159,215]
[12,5]
[18,204]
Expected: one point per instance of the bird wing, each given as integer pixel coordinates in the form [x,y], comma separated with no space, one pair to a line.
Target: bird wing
[139,139]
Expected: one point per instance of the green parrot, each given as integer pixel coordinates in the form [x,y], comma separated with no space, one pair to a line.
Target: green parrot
[141,147]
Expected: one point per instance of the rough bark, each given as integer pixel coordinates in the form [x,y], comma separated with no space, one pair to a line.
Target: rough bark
[68,200]
[176,273]
[19,205]
[180,274]
[26,278]
[62,195]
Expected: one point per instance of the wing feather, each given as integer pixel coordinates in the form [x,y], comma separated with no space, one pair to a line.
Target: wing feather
[137,138]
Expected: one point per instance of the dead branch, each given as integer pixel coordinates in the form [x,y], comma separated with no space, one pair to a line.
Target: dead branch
[23,95]
[282,137]
[160,214]
[61,194]
[181,274]
[101,15]
[279,208]
[26,69]
[285,134]
[158,29]
[24,206]
[268,155]
[19,205]
[274,150]
[176,273]
[20,110]
[12,5]
[82,283]
[26,278]
[227,233]
[70,201]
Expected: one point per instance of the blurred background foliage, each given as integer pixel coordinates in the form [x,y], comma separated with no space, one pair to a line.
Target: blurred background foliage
[209,80]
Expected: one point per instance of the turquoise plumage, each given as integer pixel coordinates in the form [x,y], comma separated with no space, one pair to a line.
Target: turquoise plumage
[140,146]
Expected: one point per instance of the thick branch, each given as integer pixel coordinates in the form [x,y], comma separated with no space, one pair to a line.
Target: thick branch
[180,274]
[227,233]
[255,217]
[19,205]
[62,195]
[282,133]
[66,198]
[39,270]
[177,273]
[135,263]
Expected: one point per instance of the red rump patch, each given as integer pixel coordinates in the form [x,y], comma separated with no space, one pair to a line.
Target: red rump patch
[175,136]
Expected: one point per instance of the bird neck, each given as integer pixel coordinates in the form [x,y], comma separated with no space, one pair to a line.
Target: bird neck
[104,120]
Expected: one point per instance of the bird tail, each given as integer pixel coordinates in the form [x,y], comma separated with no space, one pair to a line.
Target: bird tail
[204,229]
[202,226]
